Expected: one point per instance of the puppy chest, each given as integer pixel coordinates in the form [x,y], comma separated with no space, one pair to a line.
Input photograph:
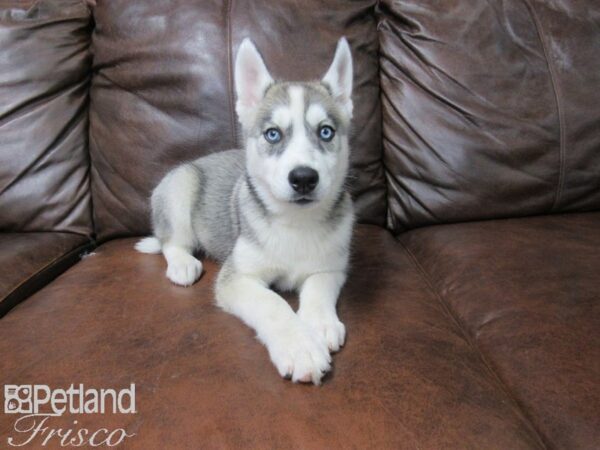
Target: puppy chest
[291,254]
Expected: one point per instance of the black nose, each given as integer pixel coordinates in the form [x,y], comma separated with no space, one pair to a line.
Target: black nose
[303,179]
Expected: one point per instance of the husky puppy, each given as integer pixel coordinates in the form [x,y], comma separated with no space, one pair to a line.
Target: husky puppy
[275,214]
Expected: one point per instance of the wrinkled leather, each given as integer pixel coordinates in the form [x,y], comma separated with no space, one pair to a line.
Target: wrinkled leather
[526,291]
[162,91]
[406,378]
[31,260]
[490,109]
[44,73]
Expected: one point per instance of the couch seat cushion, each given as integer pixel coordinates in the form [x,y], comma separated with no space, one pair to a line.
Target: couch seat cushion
[407,378]
[527,294]
[31,260]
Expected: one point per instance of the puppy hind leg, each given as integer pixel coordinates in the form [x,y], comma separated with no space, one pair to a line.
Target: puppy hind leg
[182,267]
[150,245]
[179,195]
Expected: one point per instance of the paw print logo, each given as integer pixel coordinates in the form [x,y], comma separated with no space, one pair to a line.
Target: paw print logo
[17,399]
[12,406]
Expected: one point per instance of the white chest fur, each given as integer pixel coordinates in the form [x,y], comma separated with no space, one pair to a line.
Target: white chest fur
[287,252]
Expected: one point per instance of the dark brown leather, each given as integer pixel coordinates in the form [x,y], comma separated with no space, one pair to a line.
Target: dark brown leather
[406,378]
[162,90]
[526,292]
[570,33]
[45,67]
[490,109]
[31,260]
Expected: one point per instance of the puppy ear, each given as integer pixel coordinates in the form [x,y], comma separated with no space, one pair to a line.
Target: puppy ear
[251,80]
[339,75]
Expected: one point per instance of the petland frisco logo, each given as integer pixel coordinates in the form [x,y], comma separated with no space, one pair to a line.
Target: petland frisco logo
[38,404]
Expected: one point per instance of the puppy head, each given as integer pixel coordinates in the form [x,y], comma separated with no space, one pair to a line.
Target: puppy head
[296,134]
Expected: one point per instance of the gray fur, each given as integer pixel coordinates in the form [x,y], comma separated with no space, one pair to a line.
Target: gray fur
[211,214]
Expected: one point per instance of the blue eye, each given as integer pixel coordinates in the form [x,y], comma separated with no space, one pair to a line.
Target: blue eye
[272,135]
[326,133]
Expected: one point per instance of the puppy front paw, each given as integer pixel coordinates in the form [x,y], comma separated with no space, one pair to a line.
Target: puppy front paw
[328,326]
[185,270]
[298,353]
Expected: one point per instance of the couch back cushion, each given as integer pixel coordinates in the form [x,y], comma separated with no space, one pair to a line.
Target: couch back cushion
[44,77]
[490,109]
[162,90]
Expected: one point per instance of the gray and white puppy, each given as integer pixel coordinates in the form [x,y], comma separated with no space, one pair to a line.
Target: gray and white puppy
[276,213]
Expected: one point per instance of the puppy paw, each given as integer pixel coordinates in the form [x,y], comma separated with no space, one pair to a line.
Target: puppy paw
[298,353]
[328,326]
[184,270]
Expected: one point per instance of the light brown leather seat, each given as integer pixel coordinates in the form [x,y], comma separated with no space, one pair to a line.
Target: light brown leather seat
[407,378]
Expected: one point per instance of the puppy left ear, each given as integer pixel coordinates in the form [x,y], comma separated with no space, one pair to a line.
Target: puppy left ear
[251,80]
[339,75]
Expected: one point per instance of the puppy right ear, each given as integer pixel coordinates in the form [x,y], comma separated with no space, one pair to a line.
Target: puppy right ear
[251,80]
[339,76]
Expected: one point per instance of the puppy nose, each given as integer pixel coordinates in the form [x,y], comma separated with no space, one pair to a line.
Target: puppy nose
[303,179]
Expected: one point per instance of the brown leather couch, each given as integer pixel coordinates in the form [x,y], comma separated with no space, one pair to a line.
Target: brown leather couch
[473,305]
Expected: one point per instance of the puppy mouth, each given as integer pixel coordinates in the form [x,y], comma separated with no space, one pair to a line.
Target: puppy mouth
[302,200]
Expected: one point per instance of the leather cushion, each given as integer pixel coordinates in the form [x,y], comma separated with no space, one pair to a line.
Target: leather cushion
[490,109]
[162,90]
[31,260]
[44,66]
[405,379]
[527,293]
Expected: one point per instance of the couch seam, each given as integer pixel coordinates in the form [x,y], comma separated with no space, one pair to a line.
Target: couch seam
[90,81]
[471,343]
[84,247]
[232,120]
[51,263]
[388,215]
[559,106]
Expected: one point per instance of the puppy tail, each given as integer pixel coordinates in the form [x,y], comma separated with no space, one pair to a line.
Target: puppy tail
[149,245]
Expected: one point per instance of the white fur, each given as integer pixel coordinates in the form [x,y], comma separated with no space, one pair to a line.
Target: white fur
[294,251]
[293,248]
[282,117]
[251,80]
[339,75]
[182,267]
[315,114]
[149,245]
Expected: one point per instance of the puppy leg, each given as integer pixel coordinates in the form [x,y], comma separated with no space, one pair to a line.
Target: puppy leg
[182,268]
[295,349]
[318,297]
[173,204]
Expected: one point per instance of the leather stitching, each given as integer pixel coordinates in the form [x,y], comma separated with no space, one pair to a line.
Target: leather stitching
[473,344]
